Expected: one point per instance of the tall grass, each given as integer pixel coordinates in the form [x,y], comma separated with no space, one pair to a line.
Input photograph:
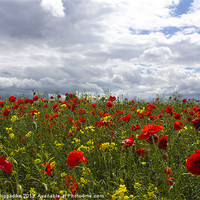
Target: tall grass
[47,130]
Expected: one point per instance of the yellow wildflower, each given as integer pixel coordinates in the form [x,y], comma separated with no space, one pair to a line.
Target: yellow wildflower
[90,142]
[32,191]
[37,161]
[76,141]
[151,194]
[83,148]
[53,184]
[106,118]
[83,181]
[108,146]
[86,171]
[119,194]
[36,113]
[28,134]
[20,149]
[63,106]
[53,164]
[9,129]
[63,174]
[63,192]
[12,136]
[88,98]
[137,185]
[58,145]
[13,172]
[90,128]
[14,118]
[122,189]
[145,196]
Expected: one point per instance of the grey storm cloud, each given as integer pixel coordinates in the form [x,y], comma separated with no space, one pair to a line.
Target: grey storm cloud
[21,19]
[91,48]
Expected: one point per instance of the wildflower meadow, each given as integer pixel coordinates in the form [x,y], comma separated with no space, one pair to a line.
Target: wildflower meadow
[99,148]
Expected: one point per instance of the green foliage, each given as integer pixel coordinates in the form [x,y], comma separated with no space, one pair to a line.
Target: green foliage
[113,170]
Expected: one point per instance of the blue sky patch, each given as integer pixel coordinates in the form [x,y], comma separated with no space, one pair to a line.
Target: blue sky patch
[170,30]
[140,32]
[182,7]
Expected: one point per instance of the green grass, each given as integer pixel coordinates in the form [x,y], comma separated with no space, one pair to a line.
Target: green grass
[112,170]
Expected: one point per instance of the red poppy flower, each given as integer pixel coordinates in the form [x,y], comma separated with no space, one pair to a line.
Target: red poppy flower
[48,169]
[169,180]
[59,96]
[177,116]
[134,127]
[55,115]
[74,158]
[149,130]
[31,101]
[168,171]
[119,112]
[112,98]
[73,187]
[6,112]
[26,101]
[140,115]
[15,106]
[169,110]
[178,125]
[184,100]
[140,152]
[35,98]
[5,165]
[162,142]
[109,105]
[193,163]
[164,156]
[196,110]
[196,123]
[32,112]
[1,104]
[127,118]
[58,197]
[56,105]
[153,138]
[12,99]
[94,105]
[83,119]
[128,142]
[132,109]
[68,180]
[81,111]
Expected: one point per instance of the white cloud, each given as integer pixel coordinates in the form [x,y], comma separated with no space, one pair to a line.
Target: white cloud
[121,45]
[54,6]
[157,54]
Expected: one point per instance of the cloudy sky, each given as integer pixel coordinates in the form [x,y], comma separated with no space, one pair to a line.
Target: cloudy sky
[138,48]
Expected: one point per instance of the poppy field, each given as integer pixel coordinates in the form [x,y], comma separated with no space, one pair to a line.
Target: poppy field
[99,148]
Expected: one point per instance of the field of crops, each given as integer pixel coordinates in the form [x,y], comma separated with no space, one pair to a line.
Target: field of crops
[99,148]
